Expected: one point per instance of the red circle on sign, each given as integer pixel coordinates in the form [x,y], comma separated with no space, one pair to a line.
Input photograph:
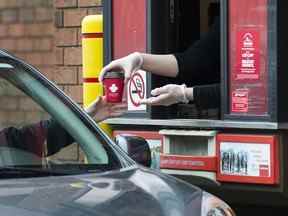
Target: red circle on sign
[136,79]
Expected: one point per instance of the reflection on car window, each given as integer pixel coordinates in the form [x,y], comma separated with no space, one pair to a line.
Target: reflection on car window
[28,130]
[30,136]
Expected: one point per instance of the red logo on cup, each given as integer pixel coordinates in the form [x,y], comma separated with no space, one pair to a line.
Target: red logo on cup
[113,86]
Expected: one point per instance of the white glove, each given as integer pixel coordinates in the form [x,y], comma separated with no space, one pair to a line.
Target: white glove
[129,64]
[167,95]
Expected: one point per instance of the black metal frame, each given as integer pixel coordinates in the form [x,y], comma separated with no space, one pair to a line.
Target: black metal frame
[277,77]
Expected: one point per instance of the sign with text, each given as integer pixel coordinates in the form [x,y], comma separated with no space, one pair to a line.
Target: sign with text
[247,158]
[248,57]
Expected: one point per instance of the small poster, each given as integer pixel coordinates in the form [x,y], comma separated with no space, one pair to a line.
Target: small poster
[248,158]
[248,55]
[240,100]
[245,159]
[137,88]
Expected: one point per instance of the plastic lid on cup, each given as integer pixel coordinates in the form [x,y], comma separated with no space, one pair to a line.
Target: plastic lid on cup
[114,74]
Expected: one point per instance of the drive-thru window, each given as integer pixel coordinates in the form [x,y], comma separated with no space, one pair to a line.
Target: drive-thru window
[242,145]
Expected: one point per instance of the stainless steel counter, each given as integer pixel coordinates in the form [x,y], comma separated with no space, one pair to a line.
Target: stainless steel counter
[195,123]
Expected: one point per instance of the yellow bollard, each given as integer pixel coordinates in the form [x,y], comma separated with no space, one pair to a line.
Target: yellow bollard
[92,59]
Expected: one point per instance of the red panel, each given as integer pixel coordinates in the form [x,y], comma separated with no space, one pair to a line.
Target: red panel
[203,163]
[129,27]
[268,167]
[248,52]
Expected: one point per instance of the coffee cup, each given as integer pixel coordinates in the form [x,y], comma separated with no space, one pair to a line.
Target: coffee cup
[113,82]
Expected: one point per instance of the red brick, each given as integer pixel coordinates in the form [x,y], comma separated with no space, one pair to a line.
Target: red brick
[34,58]
[24,44]
[26,15]
[89,3]
[3,30]
[66,37]
[11,4]
[73,17]
[21,55]
[65,3]
[48,72]
[34,29]
[9,15]
[8,44]
[93,11]
[75,92]
[36,3]
[66,75]
[43,14]
[73,56]
[79,37]
[3,4]
[48,58]
[59,56]
[42,44]
[16,30]
[80,75]
[39,29]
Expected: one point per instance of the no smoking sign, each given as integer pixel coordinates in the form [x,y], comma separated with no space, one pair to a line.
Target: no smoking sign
[137,91]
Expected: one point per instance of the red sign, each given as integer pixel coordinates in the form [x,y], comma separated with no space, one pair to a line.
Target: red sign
[240,100]
[247,158]
[136,89]
[248,56]
[183,162]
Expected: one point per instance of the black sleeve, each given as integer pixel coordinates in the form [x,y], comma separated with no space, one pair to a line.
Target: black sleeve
[200,63]
[32,137]
[207,96]
[57,137]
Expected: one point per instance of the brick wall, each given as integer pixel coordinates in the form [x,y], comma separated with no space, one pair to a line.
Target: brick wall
[68,17]
[47,34]
[27,31]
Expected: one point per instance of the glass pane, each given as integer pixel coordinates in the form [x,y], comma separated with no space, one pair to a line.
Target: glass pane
[248,57]
[29,135]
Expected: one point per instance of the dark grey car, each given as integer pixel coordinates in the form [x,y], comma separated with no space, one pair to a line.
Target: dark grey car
[55,160]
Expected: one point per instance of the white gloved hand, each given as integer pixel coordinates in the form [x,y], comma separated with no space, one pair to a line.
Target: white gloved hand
[167,95]
[129,64]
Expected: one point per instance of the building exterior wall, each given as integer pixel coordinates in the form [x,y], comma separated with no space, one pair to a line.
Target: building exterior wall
[47,34]
[27,31]
[68,17]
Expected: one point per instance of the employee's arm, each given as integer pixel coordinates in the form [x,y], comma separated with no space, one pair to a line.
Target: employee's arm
[200,63]
[206,96]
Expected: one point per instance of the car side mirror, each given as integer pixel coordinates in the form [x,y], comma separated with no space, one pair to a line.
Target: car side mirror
[136,147]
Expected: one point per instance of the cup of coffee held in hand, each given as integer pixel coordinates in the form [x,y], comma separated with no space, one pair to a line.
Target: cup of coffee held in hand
[113,82]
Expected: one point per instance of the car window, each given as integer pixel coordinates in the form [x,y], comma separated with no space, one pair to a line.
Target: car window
[38,128]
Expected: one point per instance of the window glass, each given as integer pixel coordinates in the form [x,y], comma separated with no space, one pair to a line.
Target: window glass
[48,134]
[25,131]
